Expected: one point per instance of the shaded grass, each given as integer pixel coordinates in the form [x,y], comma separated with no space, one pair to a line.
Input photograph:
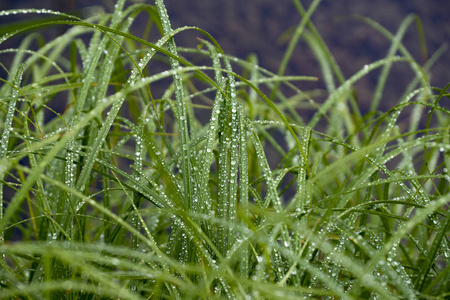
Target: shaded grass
[124,190]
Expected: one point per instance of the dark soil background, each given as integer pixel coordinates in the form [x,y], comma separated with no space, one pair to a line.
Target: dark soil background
[243,27]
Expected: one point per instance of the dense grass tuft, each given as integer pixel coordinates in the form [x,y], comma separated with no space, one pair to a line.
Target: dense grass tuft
[128,171]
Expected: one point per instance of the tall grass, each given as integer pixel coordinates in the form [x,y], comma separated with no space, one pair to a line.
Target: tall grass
[127,171]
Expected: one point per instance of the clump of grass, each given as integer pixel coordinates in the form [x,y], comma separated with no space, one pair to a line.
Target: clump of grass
[115,185]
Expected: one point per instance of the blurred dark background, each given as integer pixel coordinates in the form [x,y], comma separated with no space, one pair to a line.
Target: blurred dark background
[243,27]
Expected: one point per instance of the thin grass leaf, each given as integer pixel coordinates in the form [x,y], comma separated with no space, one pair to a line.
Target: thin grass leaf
[293,43]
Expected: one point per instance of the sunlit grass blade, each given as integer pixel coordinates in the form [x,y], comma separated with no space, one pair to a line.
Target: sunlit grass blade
[6,135]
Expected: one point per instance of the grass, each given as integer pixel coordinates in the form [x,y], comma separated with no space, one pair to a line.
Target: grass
[128,171]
